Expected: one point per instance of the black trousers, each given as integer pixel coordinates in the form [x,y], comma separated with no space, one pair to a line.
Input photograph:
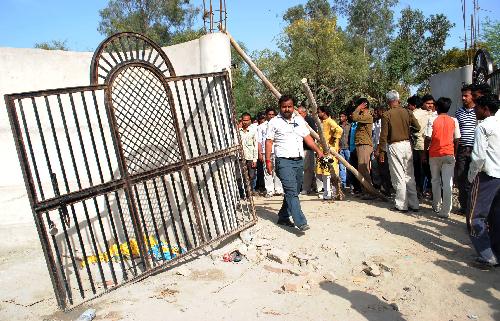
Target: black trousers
[422,171]
[353,160]
[461,171]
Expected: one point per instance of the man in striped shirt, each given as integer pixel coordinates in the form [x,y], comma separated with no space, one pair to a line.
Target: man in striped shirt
[467,122]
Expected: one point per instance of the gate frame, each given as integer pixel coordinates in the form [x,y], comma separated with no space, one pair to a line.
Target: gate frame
[125,181]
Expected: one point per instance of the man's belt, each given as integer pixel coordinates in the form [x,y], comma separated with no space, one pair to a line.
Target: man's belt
[292,158]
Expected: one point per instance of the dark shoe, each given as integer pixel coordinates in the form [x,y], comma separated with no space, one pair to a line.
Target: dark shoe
[395,209]
[285,222]
[304,228]
[480,263]
[368,197]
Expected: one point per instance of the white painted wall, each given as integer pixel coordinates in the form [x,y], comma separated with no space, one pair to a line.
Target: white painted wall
[448,84]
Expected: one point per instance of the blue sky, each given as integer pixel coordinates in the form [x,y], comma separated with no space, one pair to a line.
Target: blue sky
[257,23]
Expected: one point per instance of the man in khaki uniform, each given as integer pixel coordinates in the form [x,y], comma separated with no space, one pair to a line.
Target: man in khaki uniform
[363,139]
[395,134]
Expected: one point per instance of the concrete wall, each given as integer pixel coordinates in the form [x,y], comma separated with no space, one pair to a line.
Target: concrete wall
[448,84]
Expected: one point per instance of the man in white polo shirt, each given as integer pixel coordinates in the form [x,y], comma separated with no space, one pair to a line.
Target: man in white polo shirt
[287,132]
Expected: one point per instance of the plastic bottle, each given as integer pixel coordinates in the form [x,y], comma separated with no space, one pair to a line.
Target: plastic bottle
[88,315]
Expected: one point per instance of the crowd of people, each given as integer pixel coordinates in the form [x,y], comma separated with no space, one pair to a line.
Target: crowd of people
[410,153]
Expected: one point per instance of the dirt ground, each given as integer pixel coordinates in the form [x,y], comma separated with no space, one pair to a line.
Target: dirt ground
[421,265]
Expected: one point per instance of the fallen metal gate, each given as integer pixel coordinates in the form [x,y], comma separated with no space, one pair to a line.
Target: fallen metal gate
[131,173]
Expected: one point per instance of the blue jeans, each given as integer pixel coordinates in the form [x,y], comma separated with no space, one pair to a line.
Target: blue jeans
[484,211]
[346,153]
[291,174]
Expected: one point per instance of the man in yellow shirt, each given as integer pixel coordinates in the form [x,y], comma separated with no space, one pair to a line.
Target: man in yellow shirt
[332,132]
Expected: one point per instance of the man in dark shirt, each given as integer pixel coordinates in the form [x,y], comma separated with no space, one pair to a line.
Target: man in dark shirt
[344,148]
[395,143]
[466,117]
[309,185]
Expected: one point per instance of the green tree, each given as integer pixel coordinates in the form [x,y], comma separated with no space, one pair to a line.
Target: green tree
[160,20]
[52,45]
[455,58]
[416,53]
[491,38]
[370,22]
[315,48]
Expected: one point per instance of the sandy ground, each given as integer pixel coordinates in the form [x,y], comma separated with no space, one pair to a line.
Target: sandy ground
[423,263]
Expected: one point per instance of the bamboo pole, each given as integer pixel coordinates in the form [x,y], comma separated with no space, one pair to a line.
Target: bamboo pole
[314,135]
[259,74]
[327,149]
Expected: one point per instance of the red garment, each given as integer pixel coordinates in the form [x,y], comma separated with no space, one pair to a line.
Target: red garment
[443,128]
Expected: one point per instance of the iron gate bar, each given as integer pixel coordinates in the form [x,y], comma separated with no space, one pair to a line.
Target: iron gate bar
[84,193]
[30,187]
[51,92]
[192,189]
[232,107]
[175,123]
[63,210]
[133,41]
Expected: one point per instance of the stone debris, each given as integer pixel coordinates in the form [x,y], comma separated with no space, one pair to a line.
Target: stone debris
[371,269]
[291,287]
[243,249]
[278,255]
[246,236]
[262,243]
[326,247]
[303,259]
[358,280]
[278,268]
[386,267]
[472,316]
[181,270]
[394,306]
[329,276]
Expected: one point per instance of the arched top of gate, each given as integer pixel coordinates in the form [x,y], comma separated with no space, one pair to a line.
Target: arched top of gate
[482,66]
[123,48]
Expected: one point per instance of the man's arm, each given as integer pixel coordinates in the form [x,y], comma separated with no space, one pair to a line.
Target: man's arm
[427,144]
[310,142]
[255,152]
[456,136]
[414,122]
[361,116]
[269,148]
[382,143]
[478,156]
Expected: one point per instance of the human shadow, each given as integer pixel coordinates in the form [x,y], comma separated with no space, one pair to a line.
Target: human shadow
[271,215]
[368,305]
[458,255]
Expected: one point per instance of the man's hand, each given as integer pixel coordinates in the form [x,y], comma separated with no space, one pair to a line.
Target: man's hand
[269,166]
[254,164]
[320,154]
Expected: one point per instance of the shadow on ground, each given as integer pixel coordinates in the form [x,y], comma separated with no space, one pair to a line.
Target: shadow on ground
[459,254]
[269,214]
[366,304]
